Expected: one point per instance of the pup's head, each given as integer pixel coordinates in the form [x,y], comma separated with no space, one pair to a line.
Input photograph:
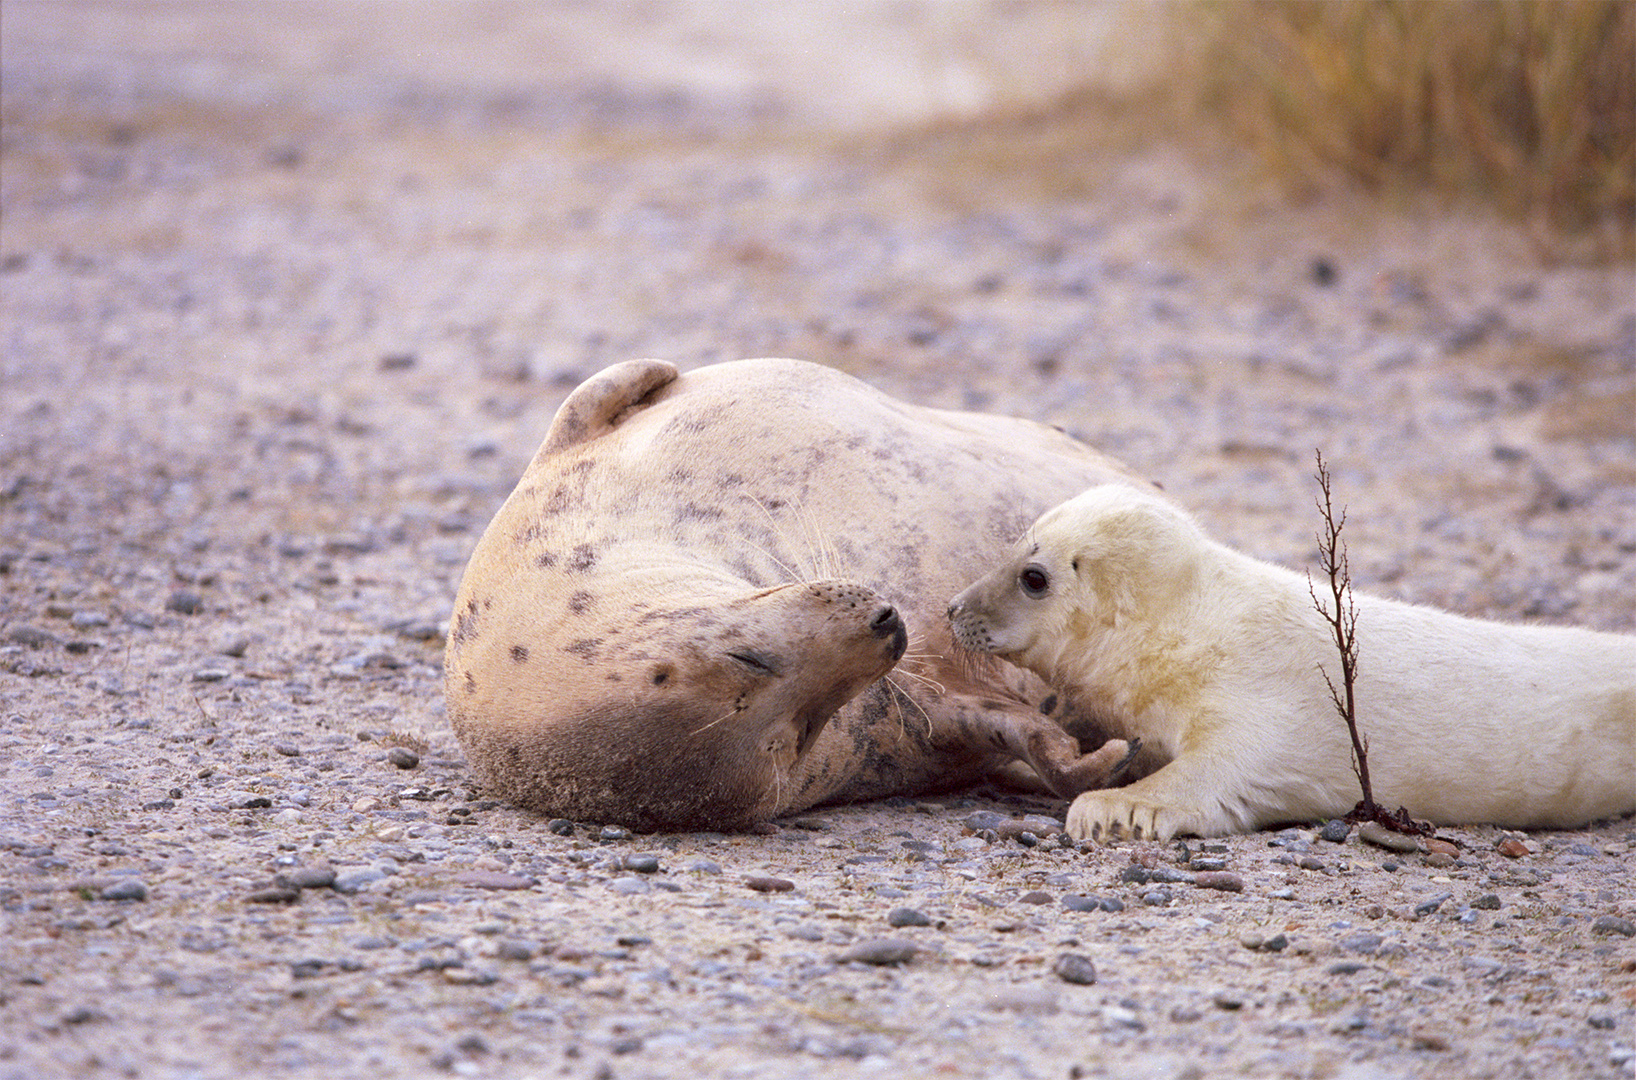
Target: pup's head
[1110,556]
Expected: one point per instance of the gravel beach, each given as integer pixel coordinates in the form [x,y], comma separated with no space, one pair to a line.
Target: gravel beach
[288,296]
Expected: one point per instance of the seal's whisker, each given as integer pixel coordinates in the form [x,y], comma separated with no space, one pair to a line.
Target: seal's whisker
[778,529]
[734,711]
[794,577]
[924,680]
[896,694]
[813,540]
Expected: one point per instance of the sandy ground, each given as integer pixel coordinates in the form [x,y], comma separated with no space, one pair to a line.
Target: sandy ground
[288,295]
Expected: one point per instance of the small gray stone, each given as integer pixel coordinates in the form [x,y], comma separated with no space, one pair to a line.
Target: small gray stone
[1335,831]
[358,880]
[312,877]
[628,886]
[1489,902]
[560,826]
[1074,968]
[1366,943]
[274,894]
[769,884]
[1427,907]
[515,949]
[612,834]
[642,863]
[128,889]
[904,916]
[984,819]
[493,879]
[184,602]
[1034,896]
[1075,902]
[879,951]
[1374,833]
[1613,924]
[403,757]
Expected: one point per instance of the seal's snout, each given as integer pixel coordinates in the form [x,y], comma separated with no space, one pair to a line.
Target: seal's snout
[886,624]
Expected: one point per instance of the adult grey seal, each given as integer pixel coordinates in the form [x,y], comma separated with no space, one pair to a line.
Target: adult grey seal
[718,597]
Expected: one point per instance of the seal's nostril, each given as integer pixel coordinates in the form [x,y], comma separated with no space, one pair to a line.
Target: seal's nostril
[886,621]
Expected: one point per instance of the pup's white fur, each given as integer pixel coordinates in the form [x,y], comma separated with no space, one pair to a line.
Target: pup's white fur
[1217,661]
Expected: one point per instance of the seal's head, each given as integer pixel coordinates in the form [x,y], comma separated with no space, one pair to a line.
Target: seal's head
[1111,556]
[664,700]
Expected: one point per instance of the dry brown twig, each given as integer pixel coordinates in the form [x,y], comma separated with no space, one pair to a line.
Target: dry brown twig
[1343,621]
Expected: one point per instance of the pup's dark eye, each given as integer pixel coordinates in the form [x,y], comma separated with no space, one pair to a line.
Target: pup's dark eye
[760,663]
[1034,580]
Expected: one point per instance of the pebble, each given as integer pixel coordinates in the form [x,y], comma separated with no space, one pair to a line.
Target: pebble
[1511,848]
[1366,943]
[1074,968]
[1371,832]
[904,916]
[1219,880]
[274,894]
[1428,907]
[1488,902]
[403,757]
[494,879]
[1613,924]
[879,951]
[1442,847]
[612,834]
[560,826]
[628,886]
[642,864]
[128,889]
[769,884]
[1034,896]
[312,877]
[184,602]
[1227,1001]
[1120,1016]
[1335,831]
[1276,943]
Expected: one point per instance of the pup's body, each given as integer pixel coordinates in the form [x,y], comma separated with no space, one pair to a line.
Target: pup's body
[1216,661]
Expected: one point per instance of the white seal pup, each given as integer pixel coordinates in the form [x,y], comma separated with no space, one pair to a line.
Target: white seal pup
[1216,661]
[687,613]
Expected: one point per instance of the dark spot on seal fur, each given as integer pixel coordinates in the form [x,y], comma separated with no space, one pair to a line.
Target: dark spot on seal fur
[661,674]
[519,653]
[545,560]
[583,558]
[1048,705]
[581,602]
[471,684]
[694,512]
[585,648]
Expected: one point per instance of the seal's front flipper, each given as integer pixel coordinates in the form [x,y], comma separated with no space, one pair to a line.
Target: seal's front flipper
[599,403]
[1019,731]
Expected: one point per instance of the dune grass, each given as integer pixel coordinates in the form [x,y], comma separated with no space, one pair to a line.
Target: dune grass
[1528,104]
